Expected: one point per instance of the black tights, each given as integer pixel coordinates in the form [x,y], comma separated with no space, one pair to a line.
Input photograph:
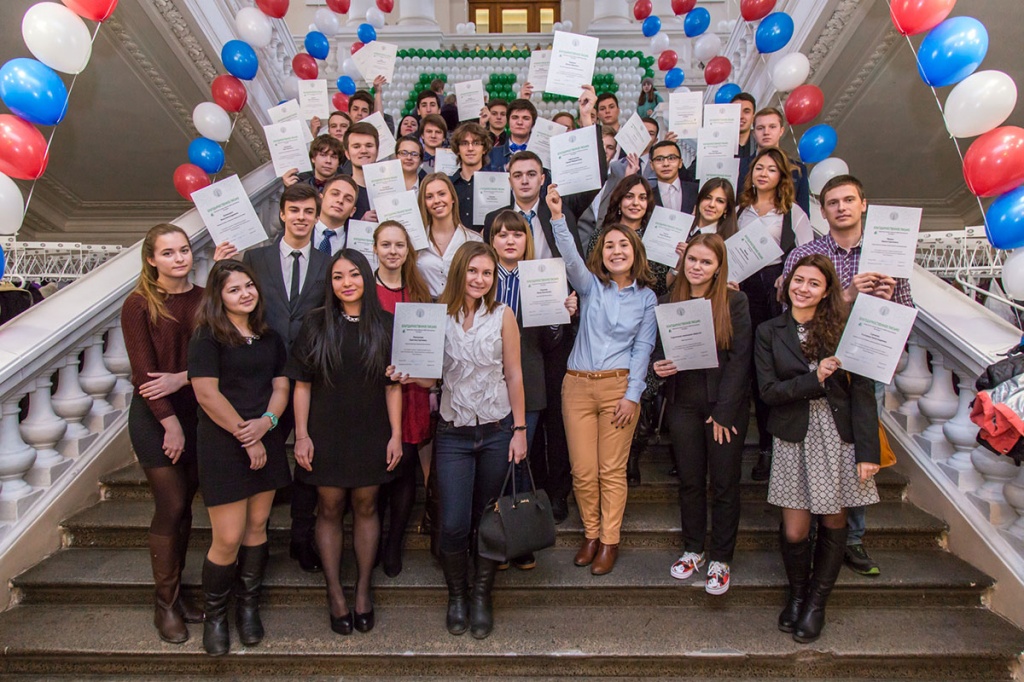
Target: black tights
[796,523]
[398,495]
[330,540]
[173,488]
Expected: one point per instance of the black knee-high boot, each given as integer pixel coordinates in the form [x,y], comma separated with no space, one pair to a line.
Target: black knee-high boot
[481,613]
[252,561]
[454,566]
[796,556]
[828,559]
[217,583]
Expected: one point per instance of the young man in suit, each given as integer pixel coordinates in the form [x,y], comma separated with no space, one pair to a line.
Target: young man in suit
[472,144]
[521,117]
[670,189]
[362,143]
[338,203]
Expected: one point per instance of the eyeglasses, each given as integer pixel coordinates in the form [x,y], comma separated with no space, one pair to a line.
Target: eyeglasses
[409,155]
[471,143]
[663,159]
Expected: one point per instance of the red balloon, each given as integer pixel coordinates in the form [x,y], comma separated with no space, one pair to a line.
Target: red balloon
[305,67]
[385,5]
[803,104]
[994,163]
[356,46]
[717,70]
[94,10]
[681,7]
[23,153]
[667,60]
[755,10]
[189,178]
[229,93]
[340,101]
[917,16]
[339,6]
[273,8]
[642,9]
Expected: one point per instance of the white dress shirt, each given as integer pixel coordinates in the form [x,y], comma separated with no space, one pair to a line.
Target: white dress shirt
[434,266]
[541,248]
[671,196]
[337,242]
[287,261]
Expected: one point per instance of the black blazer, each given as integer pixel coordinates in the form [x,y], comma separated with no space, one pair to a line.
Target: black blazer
[728,385]
[535,343]
[266,266]
[569,206]
[787,384]
[689,194]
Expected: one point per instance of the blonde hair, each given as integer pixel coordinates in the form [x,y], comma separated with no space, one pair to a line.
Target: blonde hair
[428,218]
[148,287]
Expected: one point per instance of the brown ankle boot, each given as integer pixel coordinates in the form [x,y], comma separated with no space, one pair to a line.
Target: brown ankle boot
[163,554]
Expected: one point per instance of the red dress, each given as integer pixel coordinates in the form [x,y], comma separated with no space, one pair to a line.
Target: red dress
[415,399]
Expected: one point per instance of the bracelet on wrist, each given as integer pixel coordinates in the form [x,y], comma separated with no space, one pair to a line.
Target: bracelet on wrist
[273,419]
[519,428]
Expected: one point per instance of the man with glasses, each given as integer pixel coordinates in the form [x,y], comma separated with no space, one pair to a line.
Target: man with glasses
[325,153]
[472,144]
[671,191]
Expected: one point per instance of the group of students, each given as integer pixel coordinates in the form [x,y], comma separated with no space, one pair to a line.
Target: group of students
[297,337]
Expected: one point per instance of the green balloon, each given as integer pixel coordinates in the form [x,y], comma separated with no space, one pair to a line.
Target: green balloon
[649,73]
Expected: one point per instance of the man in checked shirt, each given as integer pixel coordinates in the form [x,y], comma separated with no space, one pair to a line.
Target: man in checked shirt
[843,206]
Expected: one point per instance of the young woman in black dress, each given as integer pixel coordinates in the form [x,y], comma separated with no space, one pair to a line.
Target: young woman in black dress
[236,365]
[348,424]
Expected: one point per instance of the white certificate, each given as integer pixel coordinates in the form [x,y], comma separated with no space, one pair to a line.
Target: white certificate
[688,334]
[575,164]
[890,240]
[386,145]
[725,115]
[540,137]
[537,76]
[543,289]
[685,111]
[417,346]
[664,232]
[749,250]
[717,142]
[633,137]
[404,208]
[228,214]
[360,238]
[491,191]
[572,63]
[313,100]
[288,148]
[718,167]
[289,111]
[383,178]
[875,335]
[469,97]
[376,59]
[445,161]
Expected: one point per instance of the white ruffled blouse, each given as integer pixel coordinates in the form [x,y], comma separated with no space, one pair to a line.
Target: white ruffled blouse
[474,390]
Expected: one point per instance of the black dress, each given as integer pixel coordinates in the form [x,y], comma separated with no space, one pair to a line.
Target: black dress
[246,374]
[348,416]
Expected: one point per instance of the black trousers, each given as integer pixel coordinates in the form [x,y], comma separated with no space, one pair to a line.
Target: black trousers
[699,457]
[302,495]
[549,458]
[764,305]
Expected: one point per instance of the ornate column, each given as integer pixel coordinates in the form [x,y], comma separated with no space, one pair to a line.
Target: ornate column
[612,13]
[913,382]
[416,13]
[72,403]
[939,405]
[43,429]
[16,458]
[116,359]
[97,381]
[961,432]
[357,12]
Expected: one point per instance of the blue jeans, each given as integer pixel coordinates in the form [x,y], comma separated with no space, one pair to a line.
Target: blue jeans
[471,465]
[855,517]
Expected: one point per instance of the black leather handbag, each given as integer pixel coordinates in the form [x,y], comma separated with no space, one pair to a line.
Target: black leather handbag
[517,524]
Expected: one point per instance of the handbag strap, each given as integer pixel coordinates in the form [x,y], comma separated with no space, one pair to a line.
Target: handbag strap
[509,476]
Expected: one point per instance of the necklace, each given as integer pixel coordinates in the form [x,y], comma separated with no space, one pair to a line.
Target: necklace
[350,318]
[801,328]
[400,287]
[250,339]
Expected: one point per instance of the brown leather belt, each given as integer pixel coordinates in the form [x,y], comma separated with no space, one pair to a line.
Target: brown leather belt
[605,374]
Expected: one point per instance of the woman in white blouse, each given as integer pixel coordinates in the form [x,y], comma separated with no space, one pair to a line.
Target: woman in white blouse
[439,207]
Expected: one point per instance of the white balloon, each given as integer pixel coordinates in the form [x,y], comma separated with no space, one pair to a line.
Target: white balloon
[567,25]
[557,26]
[12,206]
[349,68]
[824,171]
[291,87]
[375,17]
[254,27]
[790,72]
[707,47]
[659,42]
[460,28]
[57,37]
[211,121]
[1013,275]
[471,27]
[980,103]
[327,21]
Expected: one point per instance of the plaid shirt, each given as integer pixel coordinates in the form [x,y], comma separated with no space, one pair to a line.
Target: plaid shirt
[847,263]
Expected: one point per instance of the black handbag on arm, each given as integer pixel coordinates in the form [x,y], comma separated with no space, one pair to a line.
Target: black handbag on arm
[517,524]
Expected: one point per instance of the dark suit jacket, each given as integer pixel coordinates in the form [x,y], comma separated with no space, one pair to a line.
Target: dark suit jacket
[787,385]
[689,193]
[266,266]
[570,205]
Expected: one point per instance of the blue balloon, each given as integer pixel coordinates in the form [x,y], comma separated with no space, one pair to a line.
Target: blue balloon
[674,78]
[346,85]
[818,143]
[651,26]
[33,91]
[366,33]
[952,51]
[206,154]
[774,32]
[726,93]
[317,45]
[1004,220]
[240,59]
[3,263]
[696,22]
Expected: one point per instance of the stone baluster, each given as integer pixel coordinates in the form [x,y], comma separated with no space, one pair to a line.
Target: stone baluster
[939,405]
[116,359]
[43,429]
[16,458]
[962,433]
[72,403]
[912,383]
[1013,491]
[892,395]
[997,471]
[97,381]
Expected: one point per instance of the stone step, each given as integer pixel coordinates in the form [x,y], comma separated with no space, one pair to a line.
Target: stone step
[911,578]
[891,525]
[672,641]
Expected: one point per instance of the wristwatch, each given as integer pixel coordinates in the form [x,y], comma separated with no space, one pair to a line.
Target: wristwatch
[273,420]
[518,428]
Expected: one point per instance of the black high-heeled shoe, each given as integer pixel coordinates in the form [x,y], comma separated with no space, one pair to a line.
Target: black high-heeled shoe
[342,624]
[364,621]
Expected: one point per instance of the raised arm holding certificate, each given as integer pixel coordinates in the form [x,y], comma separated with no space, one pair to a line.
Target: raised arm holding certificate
[228,214]
[469,98]
[633,136]
[749,250]
[575,164]
[383,178]
[890,240]
[572,63]
[376,59]
[664,232]
[543,289]
[685,114]
[288,147]
[688,334]
[417,347]
[404,208]
[290,111]
[313,100]
[540,139]
[491,191]
[537,76]
[875,335]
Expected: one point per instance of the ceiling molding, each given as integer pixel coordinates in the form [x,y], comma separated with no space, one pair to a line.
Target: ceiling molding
[868,71]
[837,29]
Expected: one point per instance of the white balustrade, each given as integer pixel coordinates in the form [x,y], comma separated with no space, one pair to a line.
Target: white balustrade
[912,383]
[962,433]
[116,359]
[43,429]
[16,458]
[1013,491]
[73,404]
[938,405]
[97,381]
[997,471]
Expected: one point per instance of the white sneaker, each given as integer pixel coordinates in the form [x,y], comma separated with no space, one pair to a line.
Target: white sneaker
[685,565]
[718,578]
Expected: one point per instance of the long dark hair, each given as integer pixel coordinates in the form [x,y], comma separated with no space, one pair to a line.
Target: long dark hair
[785,191]
[212,314]
[726,226]
[328,329]
[614,214]
[826,327]
[717,293]
[148,287]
